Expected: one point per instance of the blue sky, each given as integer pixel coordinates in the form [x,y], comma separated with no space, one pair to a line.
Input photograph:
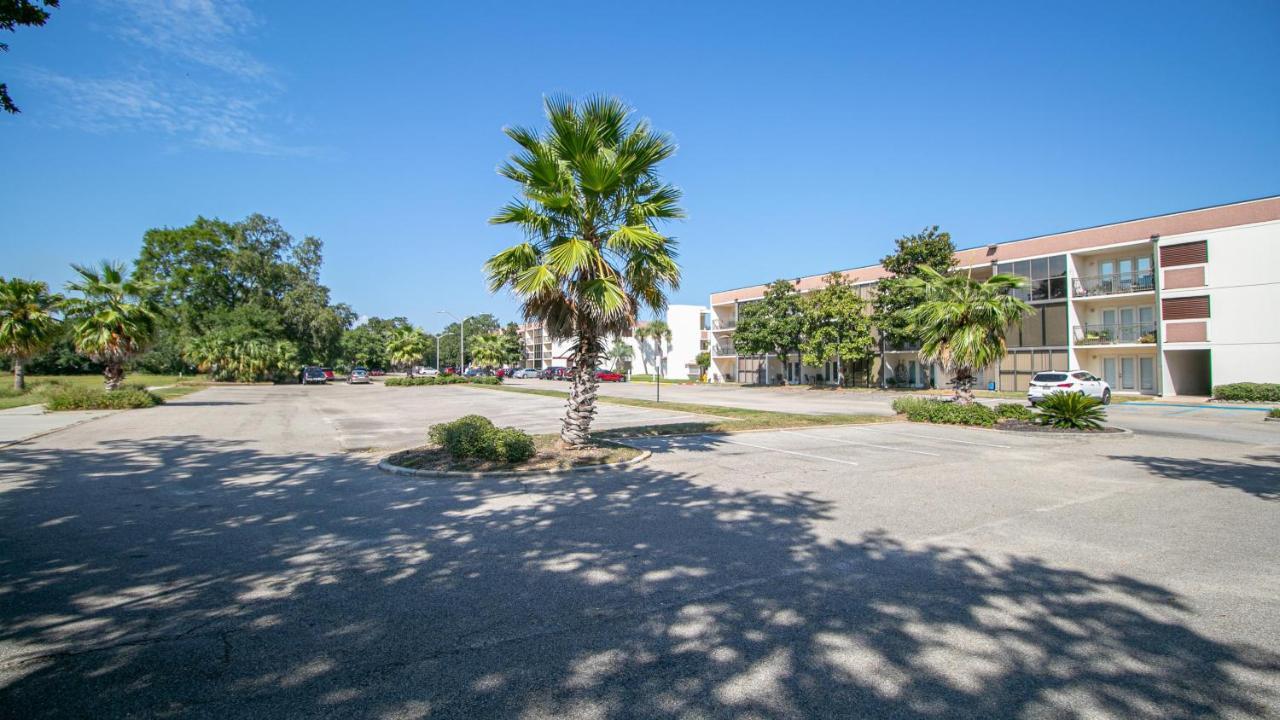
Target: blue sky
[810,134]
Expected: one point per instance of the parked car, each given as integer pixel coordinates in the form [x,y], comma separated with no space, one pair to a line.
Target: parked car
[425,371]
[314,376]
[555,373]
[377,372]
[526,373]
[328,373]
[478,372]
[610,376]
[1044,384]
[358,376]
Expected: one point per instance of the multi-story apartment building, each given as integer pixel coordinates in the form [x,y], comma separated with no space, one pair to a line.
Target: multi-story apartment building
[1165,305]
[676,357]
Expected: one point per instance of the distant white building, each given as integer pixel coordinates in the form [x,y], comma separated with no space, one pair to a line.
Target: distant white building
[677,358]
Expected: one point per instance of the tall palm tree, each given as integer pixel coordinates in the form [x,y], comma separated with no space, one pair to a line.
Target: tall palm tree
[962,322]
[591,200]
[113,319]
[496,349]
[658,333]
[407,346]
[27,322]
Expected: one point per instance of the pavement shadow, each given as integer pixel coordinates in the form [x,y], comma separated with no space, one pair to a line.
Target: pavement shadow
[195,578]
[1260,477]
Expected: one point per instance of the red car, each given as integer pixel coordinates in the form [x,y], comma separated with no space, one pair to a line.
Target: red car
[328,373]
[610,376]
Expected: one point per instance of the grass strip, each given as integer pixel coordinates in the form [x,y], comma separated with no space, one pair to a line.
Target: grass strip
[726,420]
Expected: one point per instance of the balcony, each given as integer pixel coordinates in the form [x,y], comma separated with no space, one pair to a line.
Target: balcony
[1116,334]
[718,324]
[723,350]
[1113,284]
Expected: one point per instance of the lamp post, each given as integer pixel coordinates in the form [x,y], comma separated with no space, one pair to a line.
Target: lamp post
[462,339]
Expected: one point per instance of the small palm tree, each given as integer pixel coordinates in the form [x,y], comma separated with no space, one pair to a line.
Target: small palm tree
[27,323]
[407,346]
[591,202]
[659,333]
[962,322]
[621,354]
[113,319]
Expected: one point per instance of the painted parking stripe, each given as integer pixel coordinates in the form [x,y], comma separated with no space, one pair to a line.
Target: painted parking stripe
[717,438]
[862,444]
[935,437]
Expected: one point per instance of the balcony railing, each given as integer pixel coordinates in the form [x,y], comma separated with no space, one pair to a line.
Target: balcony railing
[722,350]
[1113,284]
[718,324]
[1115,333]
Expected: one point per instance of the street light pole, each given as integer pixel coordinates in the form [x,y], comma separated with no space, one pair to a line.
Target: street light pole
[462,338]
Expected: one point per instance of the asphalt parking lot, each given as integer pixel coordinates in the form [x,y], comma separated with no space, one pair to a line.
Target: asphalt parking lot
[228,556]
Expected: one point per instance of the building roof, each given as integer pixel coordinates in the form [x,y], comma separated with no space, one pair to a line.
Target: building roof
[1245,212]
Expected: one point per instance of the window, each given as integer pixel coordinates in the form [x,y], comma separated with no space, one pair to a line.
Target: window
[1046,277]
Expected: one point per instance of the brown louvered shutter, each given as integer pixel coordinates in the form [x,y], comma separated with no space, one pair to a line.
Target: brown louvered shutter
[1192,253]
[1186,308]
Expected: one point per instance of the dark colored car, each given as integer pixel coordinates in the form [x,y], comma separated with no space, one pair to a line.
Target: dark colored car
[479,372]
[555,373]
[314,376]
[610,376]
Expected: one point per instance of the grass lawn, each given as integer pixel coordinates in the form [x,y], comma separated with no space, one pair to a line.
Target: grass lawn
[172,386]
[727,419]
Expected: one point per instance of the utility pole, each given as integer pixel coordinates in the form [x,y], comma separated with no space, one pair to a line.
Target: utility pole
[462,340]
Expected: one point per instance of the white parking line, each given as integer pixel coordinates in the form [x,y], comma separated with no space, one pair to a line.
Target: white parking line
[717,438]
[850,442]
[935,437]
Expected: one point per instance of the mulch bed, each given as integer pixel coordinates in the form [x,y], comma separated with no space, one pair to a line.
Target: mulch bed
[1030,427]
[435,459]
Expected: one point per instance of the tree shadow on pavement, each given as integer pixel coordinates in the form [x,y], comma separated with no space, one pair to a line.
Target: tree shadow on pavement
[1260,477]
[187,577]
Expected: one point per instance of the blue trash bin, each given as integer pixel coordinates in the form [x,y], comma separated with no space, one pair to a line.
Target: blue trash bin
[991,386]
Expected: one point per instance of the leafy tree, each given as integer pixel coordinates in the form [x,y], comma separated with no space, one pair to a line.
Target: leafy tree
[961,322]
[366,344]
[703,361]
[621,354]
[837,326]
[773,324]
[28,323]
[658,334]
[14,14]
[406,346]
[896,295]
[113,319]
[591,201]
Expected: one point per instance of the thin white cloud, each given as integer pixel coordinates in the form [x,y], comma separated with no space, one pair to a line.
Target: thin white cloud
[195,83]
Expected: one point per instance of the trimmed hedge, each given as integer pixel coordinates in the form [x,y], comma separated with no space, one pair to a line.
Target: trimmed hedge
[945,413]
[474,436]
[1248,392]
[441,380]
[79,397]
[1014,411]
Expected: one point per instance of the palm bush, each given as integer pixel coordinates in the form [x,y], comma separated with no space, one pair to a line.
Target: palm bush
[1071,411]
[114,318]
[28,325]
[591,201]
[962,322]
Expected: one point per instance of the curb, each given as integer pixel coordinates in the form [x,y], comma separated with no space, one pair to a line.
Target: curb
[37,436]
[1124,433]
[387,467]
[1270,419]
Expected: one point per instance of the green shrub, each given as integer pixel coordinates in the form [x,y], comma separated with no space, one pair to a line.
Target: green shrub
[441,380]
[79,397]
[513,445]
[1248,392]
[1014,411]
[945,413]
[1074,410]
[1275,413]
[8,392]
[474,436]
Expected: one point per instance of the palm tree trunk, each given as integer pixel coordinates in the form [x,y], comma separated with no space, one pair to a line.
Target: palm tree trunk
[581,408]
[19,375]
[964,386]
[113,375]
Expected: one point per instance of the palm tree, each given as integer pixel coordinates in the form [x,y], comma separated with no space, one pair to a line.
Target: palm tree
[657,332]
[621,354]
[496,349]
[114,319]
[961,322]
[591,199]
[406,346]
[27,323]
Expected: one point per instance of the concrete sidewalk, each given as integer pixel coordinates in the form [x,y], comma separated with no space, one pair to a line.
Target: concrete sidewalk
[28,421]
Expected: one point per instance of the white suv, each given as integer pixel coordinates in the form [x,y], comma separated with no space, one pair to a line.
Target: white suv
[1084,382]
